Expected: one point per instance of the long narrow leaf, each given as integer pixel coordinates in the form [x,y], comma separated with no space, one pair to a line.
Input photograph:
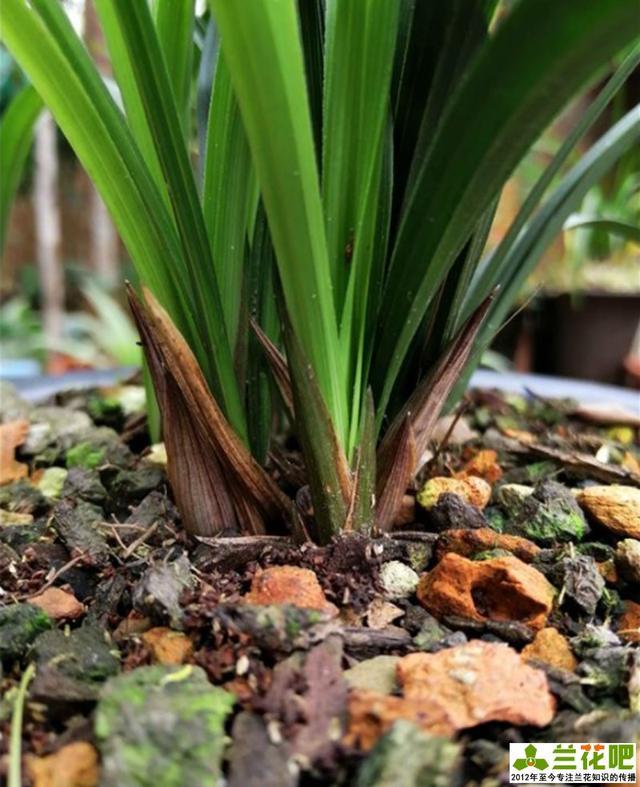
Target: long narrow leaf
[175,27]
[262,48]
[16,137]
[156,94]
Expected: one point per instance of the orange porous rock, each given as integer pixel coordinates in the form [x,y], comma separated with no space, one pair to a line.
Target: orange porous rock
[503,588]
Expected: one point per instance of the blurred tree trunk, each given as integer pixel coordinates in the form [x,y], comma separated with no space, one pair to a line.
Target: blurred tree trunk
[102,232]
[47,229]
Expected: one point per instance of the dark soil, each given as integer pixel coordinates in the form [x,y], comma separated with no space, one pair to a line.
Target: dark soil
[107,533]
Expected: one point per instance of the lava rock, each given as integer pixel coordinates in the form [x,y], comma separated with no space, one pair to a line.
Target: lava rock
[582,583]
[452,511]
[78,527]
[23,498]
[20,624]
[83,654]
[84,485]
[131,486]
[158,592]
[498,589]
[161,725]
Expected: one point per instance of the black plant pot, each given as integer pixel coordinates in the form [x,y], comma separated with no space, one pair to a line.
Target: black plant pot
[586,337]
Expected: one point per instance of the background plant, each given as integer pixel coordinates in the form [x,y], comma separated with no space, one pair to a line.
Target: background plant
[351,155]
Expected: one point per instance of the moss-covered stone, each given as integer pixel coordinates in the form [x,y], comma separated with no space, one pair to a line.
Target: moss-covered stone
[549,514]
[86,455]
[85,485]
[408,757]
[23,497]
[161,726]
[20,624]
[84,653]
[132,486]
[52,481]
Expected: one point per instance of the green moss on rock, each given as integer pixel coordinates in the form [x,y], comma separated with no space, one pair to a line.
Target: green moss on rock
[85,455]
[161,726]
[20,624]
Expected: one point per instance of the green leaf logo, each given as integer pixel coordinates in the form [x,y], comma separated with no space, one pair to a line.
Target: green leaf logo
[530,761]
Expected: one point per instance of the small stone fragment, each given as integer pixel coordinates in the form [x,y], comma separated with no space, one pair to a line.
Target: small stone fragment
[157,455]
[462,433]
[74,765]
[502,588]
[12,406]
[288,585]
[550,647]
[20,624]
[84,653]
[627,559]
[452,690]
[547,515]
[14,518]
[84,484]
[407,757]
[512,496]
[629,622]
[616,507]
[469,542]
[158,592]
[77,524]
[398,580]
[483,465]
[473,490]
[12,435]
[51,482]
[381,613]
[51,425]
[583,583]
[161,726]
[452,511]
[167,646]
[131,486]
[376,674]
[59,604]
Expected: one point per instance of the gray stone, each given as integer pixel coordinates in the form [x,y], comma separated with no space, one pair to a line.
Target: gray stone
[158,592]
[84,653]
[78,527]
[398,580]
[376,674]
[50,425]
